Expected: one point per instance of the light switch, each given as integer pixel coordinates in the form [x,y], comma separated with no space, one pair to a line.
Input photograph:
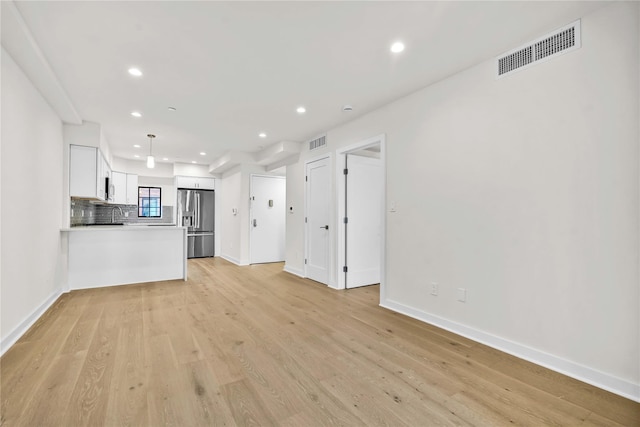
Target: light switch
[270,203]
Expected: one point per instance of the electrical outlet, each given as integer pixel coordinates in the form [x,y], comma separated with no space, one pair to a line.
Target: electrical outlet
[462,294]
[82,213]
[126,214]
[434,288]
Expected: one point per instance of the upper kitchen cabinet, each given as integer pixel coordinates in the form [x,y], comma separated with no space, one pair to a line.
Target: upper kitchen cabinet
[118,190]
[195,182]
[132,189]
[124,188]
[88,171]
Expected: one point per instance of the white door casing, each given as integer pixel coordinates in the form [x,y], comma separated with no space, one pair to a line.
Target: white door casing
[364,213]
[267,226]
[374,147]
[317,232]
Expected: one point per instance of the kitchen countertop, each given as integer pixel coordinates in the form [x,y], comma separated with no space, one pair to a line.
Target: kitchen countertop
[129,227]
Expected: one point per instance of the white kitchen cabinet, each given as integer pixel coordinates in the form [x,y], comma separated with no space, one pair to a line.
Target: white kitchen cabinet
[118,193]
[87,172]
[104,171]
[124,188]
[84,171]
[132,189]
[195,182]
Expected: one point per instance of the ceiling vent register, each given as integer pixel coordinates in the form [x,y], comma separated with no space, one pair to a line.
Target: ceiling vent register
[559,42]
[317,143]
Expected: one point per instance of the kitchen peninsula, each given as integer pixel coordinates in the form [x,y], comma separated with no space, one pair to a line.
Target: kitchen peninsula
[100,256]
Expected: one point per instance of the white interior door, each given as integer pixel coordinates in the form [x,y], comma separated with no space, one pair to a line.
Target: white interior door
[364,212]
[267,236]
[318,188]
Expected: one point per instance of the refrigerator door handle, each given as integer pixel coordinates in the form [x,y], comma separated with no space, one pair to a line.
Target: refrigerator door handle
[197,210]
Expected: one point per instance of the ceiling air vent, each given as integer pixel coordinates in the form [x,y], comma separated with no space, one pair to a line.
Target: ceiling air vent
[321,141]
[559,42]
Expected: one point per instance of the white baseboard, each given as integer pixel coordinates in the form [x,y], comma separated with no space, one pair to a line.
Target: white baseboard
[566,367]
[8,341]
[233,260]
[294,271]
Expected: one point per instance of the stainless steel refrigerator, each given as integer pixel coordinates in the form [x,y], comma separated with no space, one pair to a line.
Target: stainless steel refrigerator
[196,212]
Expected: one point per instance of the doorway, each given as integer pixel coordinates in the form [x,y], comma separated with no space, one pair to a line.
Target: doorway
[267,226]
[317,219]
[361,193]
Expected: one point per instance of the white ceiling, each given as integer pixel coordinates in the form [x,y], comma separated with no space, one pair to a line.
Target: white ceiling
[235,69]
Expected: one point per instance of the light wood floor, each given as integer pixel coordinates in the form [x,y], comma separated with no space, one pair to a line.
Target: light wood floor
[257,346]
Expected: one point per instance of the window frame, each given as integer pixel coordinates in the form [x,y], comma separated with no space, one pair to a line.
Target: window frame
[149,208]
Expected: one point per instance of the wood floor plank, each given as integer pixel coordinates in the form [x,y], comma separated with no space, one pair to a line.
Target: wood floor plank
[127,405]
[48,403]
[80,336]
[245,405]
[166,401]
[89,400]
[26,364]
[254,345]
[207,403]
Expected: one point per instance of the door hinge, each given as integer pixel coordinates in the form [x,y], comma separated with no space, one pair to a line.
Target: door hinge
[306,178]
[305,219]
[344,269]
[305,260]
[345,171]
[346,220]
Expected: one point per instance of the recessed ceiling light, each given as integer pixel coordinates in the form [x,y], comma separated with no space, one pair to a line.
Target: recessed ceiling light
[135,72]
[397,47]
[136,114]
[136,145]
[202,153]
[347,108]
[165,158]
[136,156]
[262,135]
[171,108]
[301,110]
[193,161]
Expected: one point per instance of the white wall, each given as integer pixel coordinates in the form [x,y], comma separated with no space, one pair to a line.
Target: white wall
[168,186]
[89,134]
[231,224]
[139,167]
[234,232]
[33,269]
[525,192]
[186,169]
[294,245]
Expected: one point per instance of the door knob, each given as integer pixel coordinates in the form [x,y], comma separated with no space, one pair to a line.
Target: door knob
[326,227]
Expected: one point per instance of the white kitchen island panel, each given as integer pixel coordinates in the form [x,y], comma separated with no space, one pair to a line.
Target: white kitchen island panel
[120,255]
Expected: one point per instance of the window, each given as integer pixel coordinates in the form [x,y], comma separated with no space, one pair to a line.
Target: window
[150,202]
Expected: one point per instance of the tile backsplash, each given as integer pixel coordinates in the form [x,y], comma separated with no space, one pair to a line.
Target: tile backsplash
[85,212]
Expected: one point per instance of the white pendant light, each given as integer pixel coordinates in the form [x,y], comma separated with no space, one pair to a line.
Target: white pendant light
[151,162]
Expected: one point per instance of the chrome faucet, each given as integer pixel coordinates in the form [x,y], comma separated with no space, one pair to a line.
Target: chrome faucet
[113,213]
